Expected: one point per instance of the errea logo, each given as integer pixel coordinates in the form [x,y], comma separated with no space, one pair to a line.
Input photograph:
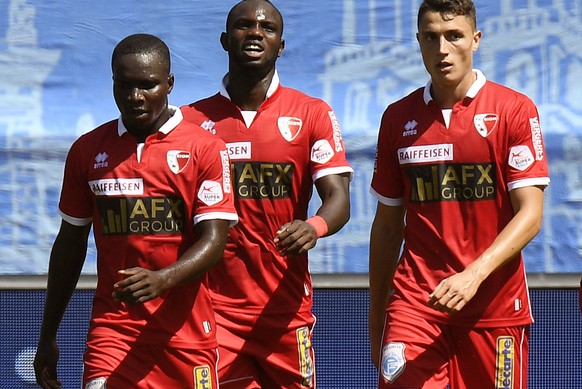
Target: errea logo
[101,160]
[410,128]
[208,125]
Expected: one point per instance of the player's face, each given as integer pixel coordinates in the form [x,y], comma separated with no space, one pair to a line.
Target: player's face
[253,38]
[141,85]
[447,45]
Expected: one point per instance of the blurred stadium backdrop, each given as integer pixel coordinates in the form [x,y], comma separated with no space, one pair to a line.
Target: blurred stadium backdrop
[357,55]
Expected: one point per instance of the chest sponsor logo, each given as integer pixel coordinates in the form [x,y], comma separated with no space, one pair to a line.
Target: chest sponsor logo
[177,160]
[117,187]
[427,153]
[210,192]
[337,133]
[452,182]
[202,377]
[505,362]
[101,160]
[520,157]
[289,127]
[262,180]
[485,123]
[306,365]
[141,215]
[239,150]
[393,361]
[536,136]
[321,151]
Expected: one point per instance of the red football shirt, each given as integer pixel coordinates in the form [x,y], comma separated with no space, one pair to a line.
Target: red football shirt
[455,183]
[144,201]
[293,140]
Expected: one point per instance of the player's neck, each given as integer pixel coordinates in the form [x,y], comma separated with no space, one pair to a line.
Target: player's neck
[248,90]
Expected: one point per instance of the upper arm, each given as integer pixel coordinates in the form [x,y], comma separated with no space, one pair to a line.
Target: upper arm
[528,201]
[333,184]
[73,234]
[213,230]
[389,219]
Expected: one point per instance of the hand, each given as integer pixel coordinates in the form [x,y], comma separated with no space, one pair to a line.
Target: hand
[139,286]
[45,365]
[453,293]
[295,238]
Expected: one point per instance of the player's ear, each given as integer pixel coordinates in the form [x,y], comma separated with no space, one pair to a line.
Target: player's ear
[281,47]
[224,41]
[170,82]
[476,39]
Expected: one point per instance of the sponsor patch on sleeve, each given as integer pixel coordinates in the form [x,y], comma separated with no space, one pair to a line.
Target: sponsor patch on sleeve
[520,157]
[210,192]
[321,151]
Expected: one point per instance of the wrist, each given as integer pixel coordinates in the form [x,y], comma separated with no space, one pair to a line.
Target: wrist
[319,224]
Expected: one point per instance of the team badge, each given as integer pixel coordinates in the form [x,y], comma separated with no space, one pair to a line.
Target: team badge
[177,160]
[210,192]
[393,361]
[485,123]
[289,127]
[202,377]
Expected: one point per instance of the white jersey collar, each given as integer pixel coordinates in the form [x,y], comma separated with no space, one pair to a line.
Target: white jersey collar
[472,92]
[272,88]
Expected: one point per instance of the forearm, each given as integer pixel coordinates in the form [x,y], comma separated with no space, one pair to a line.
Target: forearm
[384,254]
[199,258]
[66,263]
[335,206]
[521,229]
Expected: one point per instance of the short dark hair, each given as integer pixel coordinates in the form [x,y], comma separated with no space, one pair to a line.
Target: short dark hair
[143,44]
[449,7]
[229,17]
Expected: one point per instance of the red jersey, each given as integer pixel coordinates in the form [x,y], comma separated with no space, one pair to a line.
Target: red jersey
[293,140]
[144,201]
[455,183]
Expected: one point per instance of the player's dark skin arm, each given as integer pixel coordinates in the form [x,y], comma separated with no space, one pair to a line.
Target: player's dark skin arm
[141,285]
[299,236]
[66,261]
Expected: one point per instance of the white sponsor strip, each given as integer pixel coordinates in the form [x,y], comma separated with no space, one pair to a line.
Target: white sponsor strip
[117,186]
[427,153]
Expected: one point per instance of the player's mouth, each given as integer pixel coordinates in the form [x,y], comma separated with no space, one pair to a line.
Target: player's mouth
[252,49]
[445,66]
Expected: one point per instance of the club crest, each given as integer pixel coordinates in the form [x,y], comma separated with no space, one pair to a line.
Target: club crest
[289,127]
[177,160]
[485,123]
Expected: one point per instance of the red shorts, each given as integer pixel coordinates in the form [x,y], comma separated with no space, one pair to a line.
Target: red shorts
[265,351]
[418,353]
[114,363]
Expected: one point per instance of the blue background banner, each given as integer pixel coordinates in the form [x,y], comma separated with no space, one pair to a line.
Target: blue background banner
[357,55]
